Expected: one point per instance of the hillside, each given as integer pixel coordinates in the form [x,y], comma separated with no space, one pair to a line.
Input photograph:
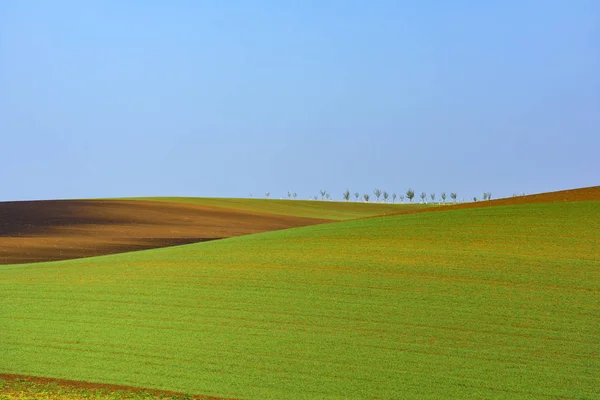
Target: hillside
[486,302]
[331,210]
[33,231]
[591,193]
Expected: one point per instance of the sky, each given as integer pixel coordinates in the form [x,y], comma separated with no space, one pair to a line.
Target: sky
[239,98]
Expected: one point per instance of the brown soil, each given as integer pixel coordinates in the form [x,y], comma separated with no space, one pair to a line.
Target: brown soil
[32,231]
[101,386]
[583,194]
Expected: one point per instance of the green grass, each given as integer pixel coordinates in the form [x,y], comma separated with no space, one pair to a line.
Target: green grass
[498,302]
[334,210]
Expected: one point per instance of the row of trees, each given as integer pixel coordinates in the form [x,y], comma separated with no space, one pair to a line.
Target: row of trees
[385,196]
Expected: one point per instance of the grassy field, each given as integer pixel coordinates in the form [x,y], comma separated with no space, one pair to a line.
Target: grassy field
[497,302]
[334,210]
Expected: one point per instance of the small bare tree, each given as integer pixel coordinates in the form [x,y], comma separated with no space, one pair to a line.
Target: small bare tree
[347,195]
[410,194]
[444,197]
[323,193]
[386,196]
[289,195]
[487,196]
[453,196]
[357,195]
[327,196]
[401,198]
[377,193]
[267,194]
[432,195]
[366,197]
[423,196]
[295,195]
[394,195]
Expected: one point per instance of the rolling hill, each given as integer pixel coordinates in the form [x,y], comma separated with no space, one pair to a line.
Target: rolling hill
[330,210]
[32,231]
[490,302]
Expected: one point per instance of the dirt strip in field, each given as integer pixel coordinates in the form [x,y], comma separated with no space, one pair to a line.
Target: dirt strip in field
[591,193]
[64,383]
[33,231]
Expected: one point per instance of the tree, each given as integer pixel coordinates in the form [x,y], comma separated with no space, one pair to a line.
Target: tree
[366,197]
[475,199]
[267,194]
[444,197]
[394,195]
[289,195]
[357,195]
[327,196]
[423,196]
[453,196]
[487,196]
[377,193]
[323,193]
[347,195]
[295,195]
[401,198]
[386,196]
[410,194]
[432,195]
[315,198]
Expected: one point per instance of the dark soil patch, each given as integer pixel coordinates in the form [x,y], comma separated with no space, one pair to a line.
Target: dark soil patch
[32,231]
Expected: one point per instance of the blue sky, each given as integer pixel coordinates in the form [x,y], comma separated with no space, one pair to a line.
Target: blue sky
[232,98]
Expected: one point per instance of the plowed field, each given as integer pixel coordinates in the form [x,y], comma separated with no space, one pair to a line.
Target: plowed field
[32,231]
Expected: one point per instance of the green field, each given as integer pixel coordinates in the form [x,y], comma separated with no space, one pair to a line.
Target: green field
[497,302]
[334,210]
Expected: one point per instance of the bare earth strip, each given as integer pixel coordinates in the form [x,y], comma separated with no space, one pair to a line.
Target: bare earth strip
[71,388]
[33,231]
[591,193]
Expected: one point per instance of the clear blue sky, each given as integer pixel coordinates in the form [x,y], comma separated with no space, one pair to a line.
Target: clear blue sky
[227,98]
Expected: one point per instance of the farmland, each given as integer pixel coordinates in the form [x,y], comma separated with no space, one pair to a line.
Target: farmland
[33,231]
[331,210]
[489,302]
